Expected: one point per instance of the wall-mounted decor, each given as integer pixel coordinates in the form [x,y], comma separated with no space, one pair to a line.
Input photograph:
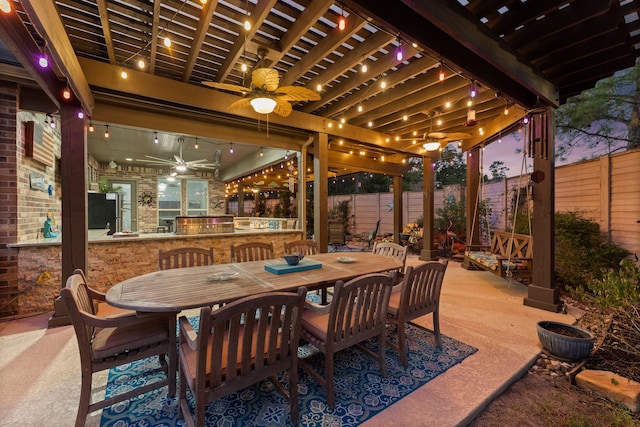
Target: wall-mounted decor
[145,198]
[36,181]
[38,143]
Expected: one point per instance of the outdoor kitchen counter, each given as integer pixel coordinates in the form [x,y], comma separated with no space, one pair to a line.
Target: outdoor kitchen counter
[112,260]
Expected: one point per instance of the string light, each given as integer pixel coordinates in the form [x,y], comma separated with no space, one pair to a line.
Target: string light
[106,132]
[342,22]
[155,137]
[231,148]
[261,152]
[124,74]
[167,41]
[90,126]
[399,52]
[441,73]
[363,68]
[5,6]
[506,108]
[80,114]
[43,61]
[196,144]
[66,93]
[141,63]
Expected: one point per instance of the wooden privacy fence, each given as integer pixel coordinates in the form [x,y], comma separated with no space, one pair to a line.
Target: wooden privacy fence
[605,189]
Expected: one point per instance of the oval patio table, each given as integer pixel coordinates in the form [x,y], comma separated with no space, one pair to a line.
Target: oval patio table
[185,288]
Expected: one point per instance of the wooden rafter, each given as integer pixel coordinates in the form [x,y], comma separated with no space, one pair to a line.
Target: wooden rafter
[203,25]
[106,30]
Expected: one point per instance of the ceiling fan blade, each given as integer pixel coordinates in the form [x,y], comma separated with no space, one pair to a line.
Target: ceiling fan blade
[152,159]
[196,161]
[227,86]
[449,135]
[297,93]
[265,78]
[241,103]
[283,108]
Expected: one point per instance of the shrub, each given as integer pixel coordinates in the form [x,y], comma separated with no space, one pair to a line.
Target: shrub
[582,252]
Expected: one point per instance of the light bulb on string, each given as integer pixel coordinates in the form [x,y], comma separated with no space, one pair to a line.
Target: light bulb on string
[90,126]
[167,41]
[5,6]
[66,93]
[155,137]
[141,63]
[196,146]
[441,73]
[43,61]
[231,148]
[80,114]
[106,132]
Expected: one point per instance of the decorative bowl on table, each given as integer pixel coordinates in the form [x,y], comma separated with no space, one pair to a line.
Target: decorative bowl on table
[293,259]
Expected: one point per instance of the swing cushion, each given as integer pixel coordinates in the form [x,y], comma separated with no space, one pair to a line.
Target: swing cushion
[490,261]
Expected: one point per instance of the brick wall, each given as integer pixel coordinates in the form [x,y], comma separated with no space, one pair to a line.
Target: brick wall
[33,204]
[8,199]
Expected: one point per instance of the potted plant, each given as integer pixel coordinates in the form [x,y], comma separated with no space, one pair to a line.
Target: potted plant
[566,342]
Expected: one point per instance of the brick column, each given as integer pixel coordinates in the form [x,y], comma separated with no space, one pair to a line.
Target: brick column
[8,198]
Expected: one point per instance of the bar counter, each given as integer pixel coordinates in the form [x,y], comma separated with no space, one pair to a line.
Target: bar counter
[114,259]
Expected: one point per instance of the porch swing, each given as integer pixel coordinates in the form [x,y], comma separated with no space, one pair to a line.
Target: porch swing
[510,254]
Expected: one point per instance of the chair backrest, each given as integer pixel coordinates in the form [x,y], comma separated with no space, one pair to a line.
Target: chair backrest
[80,305]
[393,250]
[359,309]
[305,247]
[184,257]
[257,336]
[252,251]
[421,289]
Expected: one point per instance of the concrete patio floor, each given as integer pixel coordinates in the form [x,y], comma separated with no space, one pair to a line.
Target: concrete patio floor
[40,368]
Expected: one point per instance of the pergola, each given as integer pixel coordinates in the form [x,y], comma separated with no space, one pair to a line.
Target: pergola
[529,56]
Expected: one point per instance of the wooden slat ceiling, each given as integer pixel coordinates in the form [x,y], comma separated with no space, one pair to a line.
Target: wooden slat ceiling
[570,43]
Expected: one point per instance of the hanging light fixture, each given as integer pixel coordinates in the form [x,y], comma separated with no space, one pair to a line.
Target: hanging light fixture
[80,114]
[263,105]
[106,132]
[155,137]
[90,126]
[473,91]
[196,146]
[231,148]
[471,117]
[43,61]
[431,146]
[261,152]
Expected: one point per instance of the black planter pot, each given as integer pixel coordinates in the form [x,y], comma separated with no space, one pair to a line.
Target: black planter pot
[576,345]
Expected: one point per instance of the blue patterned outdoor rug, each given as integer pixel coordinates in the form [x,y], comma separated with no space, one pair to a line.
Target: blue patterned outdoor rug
[361,392]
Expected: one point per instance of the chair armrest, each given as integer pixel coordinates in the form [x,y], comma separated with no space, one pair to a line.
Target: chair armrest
[320,309]
[96,295]
[187,333]
[107,322]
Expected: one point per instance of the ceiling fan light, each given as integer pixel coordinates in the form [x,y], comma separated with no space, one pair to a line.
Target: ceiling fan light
[431,146]
[181,168]
[263,105]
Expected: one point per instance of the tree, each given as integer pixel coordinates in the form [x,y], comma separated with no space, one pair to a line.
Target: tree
[451,168]
[607,115]
[412,180]
[498,170]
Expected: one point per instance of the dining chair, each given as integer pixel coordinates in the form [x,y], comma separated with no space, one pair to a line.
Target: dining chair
[242,343]
[357,312]
[101,307]
[419,295]
[304,247]
[252,251]
[393,250]
[184,257]
[105,343]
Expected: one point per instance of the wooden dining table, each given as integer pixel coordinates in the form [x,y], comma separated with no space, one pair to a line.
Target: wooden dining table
[184,288]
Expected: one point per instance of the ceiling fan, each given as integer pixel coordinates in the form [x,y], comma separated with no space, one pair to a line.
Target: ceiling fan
[264,95]
[180,165]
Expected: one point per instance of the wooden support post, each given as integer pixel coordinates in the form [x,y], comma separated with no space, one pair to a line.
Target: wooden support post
[542,293]
[397,208]
[74,202]
[473,214]
[428,252]
[321,191]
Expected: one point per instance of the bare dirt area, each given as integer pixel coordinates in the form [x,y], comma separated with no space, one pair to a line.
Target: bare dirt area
[541,400]
[546,397]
